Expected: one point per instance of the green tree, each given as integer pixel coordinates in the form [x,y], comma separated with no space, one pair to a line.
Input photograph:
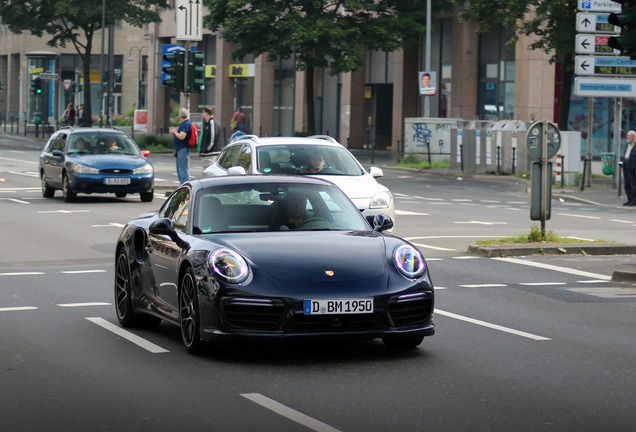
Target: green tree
[75,22]
[329,34]
[553,22]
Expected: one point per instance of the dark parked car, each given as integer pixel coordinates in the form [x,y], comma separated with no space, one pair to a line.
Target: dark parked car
[88,160]
[270,257]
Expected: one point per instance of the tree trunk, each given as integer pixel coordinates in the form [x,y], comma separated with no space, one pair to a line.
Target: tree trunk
[310,100]
[88,114]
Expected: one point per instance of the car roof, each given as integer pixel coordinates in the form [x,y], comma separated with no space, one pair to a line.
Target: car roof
[251,178]
[105,130]
[317,140]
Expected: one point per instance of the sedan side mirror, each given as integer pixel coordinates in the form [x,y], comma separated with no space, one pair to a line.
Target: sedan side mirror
[376,172]
[382,222]
[236,170]
[165,226]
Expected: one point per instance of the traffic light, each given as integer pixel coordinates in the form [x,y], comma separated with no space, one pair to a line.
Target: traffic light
[175,70]
[36,85]
[626,20]
[196,72]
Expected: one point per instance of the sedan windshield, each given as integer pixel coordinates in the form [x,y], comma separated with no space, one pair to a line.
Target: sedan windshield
[102,143]
[314,159]
[275,207]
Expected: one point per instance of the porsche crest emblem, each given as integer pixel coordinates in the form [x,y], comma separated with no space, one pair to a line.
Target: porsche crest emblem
[329,273]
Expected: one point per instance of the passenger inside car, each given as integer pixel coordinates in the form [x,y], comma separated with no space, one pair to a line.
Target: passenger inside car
[79,147]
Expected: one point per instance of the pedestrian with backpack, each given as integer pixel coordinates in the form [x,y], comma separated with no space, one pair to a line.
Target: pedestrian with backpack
[181,145]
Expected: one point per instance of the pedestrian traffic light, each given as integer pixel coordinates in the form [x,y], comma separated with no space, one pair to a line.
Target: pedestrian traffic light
[174,70]
[626,20]
[36,85]
[196,72]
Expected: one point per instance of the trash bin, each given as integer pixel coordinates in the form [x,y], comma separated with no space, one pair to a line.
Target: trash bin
[607,160]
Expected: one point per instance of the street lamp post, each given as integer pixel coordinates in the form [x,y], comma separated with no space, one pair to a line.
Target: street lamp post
[130,60]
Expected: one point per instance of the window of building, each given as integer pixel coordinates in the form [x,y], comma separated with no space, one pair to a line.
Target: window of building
[284,81]
[496,75]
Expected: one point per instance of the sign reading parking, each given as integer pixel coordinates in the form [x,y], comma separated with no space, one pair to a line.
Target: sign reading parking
[598,6]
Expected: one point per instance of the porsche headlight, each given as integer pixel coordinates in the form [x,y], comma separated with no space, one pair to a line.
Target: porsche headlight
[83,169]
[409,261]
[229,265]
[380,200]
[146,169]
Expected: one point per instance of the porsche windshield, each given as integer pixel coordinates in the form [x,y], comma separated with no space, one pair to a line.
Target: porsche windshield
[275,207]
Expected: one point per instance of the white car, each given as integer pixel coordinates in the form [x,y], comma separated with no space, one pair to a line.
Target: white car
[250,154]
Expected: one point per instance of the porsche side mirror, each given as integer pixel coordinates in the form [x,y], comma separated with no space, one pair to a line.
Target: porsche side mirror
[382,222]
[165,226]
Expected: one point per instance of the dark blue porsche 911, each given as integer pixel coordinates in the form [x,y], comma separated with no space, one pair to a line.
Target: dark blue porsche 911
[270,257]
[88,160]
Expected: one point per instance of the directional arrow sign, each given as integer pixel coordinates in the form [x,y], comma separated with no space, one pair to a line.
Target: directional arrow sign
[594,23]
[593,44]
[189,18]
[586,65]
[598,6]
[604,87]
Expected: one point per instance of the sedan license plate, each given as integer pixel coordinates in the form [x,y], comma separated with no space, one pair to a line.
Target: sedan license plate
[338,306]
[117,181]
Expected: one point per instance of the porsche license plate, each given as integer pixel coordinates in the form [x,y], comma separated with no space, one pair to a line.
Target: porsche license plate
[338,306]
[117,181]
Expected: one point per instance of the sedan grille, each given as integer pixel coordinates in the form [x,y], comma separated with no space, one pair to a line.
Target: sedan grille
[116,171]
[253,314]
[325,323]
[411,309]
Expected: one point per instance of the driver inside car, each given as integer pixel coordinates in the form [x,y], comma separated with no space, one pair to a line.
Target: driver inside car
[292,211]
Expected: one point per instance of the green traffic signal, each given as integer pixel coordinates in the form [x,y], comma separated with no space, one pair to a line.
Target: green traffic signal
[626,20]
[196,72]
[36,85]
[175,70]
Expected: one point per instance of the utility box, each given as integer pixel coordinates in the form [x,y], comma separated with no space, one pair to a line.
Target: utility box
[571,151]
[430,137]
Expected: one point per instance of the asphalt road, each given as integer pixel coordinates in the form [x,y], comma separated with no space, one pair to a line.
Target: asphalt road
[525,344]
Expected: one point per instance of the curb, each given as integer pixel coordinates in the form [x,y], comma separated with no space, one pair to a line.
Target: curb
[552,249]
[624,276]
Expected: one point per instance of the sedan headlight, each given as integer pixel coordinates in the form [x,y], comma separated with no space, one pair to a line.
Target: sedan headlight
[146,169]
[380,200]
[229,265]
[83,169]
[409,261]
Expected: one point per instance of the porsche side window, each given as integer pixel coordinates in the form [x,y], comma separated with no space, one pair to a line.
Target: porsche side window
[245,159]
[177,209]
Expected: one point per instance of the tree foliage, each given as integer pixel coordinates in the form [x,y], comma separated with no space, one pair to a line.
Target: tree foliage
[75,22]
[551,21]
[329,34]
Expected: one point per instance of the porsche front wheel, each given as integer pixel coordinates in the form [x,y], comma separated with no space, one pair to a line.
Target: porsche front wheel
[123,291]
[189,318]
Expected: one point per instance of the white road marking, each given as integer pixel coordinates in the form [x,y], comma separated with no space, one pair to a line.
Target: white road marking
[555,268]
[461,200]
[22,274]
[492,326]
[15,200]
[112,224]
[64,211]
[490,201]
[482,223]
[70,305]
[494,285]
[83,271]
[18,308]
[579,216]
[593,281]
[20,189]
[28,174]
[621,221]
[467,257]
[542,283]
[409,213]
[428,199]
[18,160]
[131,337]
[289,413]
[434,247]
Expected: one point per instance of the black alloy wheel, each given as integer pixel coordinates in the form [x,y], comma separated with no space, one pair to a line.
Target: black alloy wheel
[123,291]
[189,313]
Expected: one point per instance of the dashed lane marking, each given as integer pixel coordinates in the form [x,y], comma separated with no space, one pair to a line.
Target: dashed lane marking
[18,308]
[131,337]
[555,268]
[492,326]
[287,412]
[87,304]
